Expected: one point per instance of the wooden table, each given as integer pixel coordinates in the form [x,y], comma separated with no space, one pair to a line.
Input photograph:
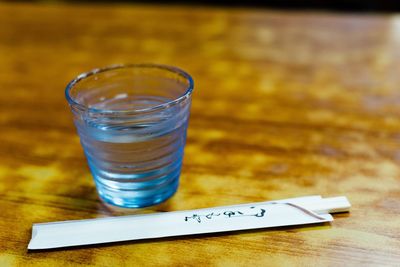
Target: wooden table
[286,104]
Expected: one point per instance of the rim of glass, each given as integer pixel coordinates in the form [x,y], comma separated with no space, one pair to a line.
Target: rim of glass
[167,104]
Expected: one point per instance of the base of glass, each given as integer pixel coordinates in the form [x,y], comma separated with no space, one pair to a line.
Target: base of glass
[136,199]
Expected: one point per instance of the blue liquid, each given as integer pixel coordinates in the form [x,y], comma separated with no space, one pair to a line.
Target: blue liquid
[135,161]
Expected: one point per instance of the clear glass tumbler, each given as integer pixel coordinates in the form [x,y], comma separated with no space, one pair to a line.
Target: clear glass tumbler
[132,121]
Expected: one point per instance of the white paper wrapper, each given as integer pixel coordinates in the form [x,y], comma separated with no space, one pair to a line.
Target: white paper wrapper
[297,211]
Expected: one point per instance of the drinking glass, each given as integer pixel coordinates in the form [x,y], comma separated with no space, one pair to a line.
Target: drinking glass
[132,122]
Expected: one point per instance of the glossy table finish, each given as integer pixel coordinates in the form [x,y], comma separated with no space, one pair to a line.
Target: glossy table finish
[286,104]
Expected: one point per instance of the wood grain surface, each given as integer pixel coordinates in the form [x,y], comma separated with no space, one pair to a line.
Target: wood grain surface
[286,104]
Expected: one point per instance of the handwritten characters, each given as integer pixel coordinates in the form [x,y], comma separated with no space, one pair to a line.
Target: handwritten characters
[227,214]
